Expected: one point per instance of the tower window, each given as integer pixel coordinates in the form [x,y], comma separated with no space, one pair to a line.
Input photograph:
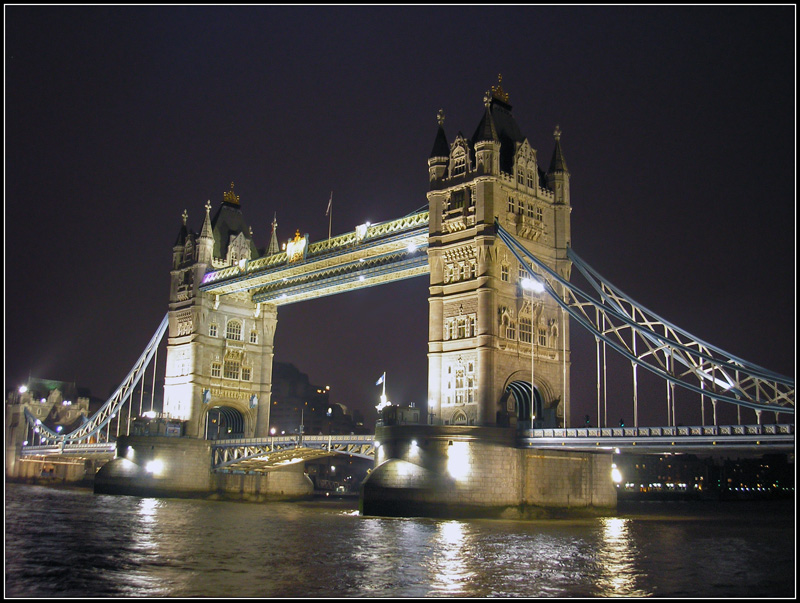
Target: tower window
[511,206]
[253,336]
[504,273]
[539,214]
[212,329]
[525,329]
[232,369]
[216,368]
[234,330]
[245,373]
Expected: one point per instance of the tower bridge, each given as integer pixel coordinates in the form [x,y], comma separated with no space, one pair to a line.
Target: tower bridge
[495,243]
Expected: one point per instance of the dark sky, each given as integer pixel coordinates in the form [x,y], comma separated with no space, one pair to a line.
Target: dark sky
[678,129]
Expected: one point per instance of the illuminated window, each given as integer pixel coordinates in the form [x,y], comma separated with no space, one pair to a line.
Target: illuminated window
[216,368]
[212,330]
[525,329]
[253,336]
[234,330]
[232,369]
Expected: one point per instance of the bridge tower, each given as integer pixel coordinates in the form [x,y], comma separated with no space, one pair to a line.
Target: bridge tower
[220,348]
[483,324]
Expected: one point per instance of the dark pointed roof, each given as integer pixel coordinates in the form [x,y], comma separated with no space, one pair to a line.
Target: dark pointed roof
[558,163]
[486,129]
[441,148]
[506,129]
[183,232]
[226,222]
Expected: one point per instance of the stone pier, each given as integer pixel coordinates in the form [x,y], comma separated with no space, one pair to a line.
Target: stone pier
[181,467]
[465,471]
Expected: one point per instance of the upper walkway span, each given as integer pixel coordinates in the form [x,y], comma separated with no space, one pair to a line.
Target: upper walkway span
[372,254]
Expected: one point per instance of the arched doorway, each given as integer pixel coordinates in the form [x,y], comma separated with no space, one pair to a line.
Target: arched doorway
[460,418]
[521,391]
[224,423]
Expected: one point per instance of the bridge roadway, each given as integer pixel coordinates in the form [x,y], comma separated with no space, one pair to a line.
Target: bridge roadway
[259,455]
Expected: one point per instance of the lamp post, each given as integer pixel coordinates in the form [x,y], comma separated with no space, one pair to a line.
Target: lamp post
[534,286]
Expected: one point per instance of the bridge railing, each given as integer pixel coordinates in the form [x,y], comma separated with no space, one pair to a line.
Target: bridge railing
[679,431]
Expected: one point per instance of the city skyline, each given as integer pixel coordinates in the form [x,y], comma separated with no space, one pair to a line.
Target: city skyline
[677,126]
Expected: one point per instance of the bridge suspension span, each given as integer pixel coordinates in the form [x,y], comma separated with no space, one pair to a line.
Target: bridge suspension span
[655,344]
[92,428]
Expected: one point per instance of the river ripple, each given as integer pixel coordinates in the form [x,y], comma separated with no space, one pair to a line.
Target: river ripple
[73,543]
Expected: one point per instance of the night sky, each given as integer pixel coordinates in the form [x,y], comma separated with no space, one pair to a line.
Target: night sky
[678,130]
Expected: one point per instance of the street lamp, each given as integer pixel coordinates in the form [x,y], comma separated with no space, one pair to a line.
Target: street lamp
[534,286]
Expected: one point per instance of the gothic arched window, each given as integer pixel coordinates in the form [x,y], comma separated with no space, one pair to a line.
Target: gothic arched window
[234,330]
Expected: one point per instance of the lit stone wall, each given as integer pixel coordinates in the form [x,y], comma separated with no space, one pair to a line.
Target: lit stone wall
[477,471]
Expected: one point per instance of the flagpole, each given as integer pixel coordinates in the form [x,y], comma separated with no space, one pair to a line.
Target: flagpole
[330,217]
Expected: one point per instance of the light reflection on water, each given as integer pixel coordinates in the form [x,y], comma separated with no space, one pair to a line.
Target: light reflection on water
[74,543]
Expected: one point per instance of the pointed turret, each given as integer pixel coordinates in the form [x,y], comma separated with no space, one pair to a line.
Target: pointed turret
[437,162]
[558,174]
[558,163]
[180,242]
[205,242]
[273,241]
[486,141]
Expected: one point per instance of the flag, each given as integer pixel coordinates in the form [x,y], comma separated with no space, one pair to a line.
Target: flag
[330,202]
[381,380]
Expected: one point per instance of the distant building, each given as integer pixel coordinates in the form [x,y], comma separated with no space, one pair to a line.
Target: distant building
[55,403]
[401,415]
[296,401]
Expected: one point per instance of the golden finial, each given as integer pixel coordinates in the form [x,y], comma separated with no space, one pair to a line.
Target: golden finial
[184,215]
[557,133]
[498,92]
[440,117]
[297,236]
[231,197]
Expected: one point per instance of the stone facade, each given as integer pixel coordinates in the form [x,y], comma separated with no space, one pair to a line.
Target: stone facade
[463,471]
[220,348]
[482,323]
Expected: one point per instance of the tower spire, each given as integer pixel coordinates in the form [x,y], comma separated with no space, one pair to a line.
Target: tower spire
[273,242]
[207,232]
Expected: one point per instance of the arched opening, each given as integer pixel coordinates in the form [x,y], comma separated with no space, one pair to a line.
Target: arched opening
[521,390]
[224,423]
[460,418]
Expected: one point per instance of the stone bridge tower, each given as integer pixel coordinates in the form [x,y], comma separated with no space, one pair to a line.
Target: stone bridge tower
[220,349]
[483,324]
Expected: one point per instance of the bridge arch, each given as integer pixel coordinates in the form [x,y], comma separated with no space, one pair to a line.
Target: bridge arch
[224,422]
[520,393]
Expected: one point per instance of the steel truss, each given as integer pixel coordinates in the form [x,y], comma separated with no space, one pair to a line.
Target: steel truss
[260,455]
[653,343]
[110,409]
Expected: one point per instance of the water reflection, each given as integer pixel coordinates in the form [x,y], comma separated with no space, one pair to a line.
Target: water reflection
[73,544]
[615,556]
[450,563]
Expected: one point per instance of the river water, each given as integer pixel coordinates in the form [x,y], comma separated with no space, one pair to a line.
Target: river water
[74,543]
